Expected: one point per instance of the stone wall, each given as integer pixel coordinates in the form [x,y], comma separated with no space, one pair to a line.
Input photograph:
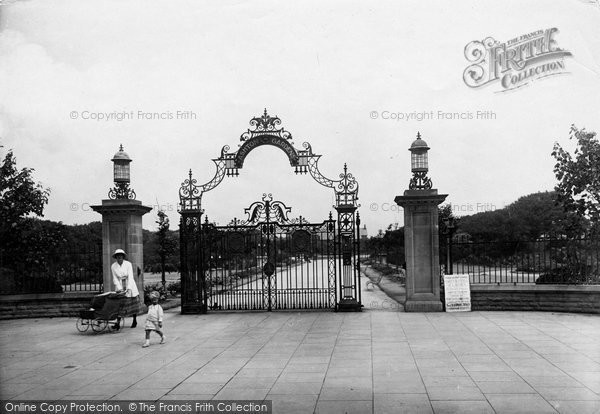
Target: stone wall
[556,298]
[44,305]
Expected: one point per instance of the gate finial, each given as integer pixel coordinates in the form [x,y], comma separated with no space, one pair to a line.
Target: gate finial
[265,125]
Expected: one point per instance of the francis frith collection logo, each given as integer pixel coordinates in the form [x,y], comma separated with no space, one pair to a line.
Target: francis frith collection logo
[514,63]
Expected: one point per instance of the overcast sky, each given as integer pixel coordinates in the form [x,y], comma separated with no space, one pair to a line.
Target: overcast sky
[326,68]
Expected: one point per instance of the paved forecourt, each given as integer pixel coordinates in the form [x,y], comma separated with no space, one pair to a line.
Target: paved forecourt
[377,361]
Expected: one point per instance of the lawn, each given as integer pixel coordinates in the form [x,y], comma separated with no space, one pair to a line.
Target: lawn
[153,278]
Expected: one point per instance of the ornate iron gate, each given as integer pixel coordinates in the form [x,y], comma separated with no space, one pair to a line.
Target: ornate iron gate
[268,261]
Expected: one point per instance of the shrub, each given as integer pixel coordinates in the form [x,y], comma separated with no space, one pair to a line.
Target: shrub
[174,288]
[155,287]
[574,274]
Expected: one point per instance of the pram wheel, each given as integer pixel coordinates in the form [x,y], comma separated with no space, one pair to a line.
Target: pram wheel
[82,325]
[98,325]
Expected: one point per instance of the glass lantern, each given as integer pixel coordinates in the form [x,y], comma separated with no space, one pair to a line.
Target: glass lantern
[121,166]
[418,158]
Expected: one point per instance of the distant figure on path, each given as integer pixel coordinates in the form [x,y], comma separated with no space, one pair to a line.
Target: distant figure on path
[122,273]
[154,320]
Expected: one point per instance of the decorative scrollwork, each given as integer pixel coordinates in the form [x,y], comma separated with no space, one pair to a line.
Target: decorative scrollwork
[346,188]
[313,168]
[121,191]
[300,221]
[190,194]
[265,125]
[219,175]
[267,130]
[189,187]
[420,181]
[267,211]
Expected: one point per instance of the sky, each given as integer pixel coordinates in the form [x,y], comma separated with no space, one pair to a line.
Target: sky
[344,76]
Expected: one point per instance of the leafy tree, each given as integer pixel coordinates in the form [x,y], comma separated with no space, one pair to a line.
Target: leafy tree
[447,226]
[166,243]
[393,245]
[578,176]
[151,256]
[20,197]
[446,218]
[538,215]
[88,234]
[392,241]
[485,226]
[529,218]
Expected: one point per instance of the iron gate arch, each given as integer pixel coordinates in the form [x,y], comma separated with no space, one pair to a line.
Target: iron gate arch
[202,242]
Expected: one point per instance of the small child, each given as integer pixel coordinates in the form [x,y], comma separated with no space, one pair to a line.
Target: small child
[154,319]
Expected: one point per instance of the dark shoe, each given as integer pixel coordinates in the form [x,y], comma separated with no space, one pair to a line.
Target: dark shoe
[134,324]
[116,327]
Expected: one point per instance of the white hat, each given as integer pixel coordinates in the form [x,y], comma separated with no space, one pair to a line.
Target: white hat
[119,251]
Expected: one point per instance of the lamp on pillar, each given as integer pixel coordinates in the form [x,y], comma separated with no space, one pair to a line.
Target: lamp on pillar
[419,165]
[122,222]
[421,238]
[121,176]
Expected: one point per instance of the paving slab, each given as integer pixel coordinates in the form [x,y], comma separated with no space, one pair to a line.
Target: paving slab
[402,404]
[377,361]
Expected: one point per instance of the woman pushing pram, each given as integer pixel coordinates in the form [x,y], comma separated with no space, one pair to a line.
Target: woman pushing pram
[122,273]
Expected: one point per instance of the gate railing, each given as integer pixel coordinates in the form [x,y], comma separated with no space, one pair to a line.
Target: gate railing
[270,266]
[290,264]
[541,261]
[65,269]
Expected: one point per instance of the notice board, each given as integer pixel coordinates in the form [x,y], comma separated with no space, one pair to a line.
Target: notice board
[457,293]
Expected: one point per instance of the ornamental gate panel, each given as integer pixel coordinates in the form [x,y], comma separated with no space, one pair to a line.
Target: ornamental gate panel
[269,261]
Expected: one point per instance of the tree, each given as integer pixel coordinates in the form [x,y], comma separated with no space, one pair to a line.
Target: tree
[578,188]
[166,243]
[529,218]
[20,197]
[393,244]
[446,217]
[537,215]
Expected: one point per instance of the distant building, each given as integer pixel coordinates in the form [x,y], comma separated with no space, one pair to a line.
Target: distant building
[362,232]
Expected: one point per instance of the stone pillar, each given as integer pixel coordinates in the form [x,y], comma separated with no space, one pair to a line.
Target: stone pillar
[421,241]
[122,229]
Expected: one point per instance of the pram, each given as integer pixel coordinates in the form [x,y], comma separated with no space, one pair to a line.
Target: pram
[104,308]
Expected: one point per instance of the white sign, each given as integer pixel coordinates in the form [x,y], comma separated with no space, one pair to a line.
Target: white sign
[457,292]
